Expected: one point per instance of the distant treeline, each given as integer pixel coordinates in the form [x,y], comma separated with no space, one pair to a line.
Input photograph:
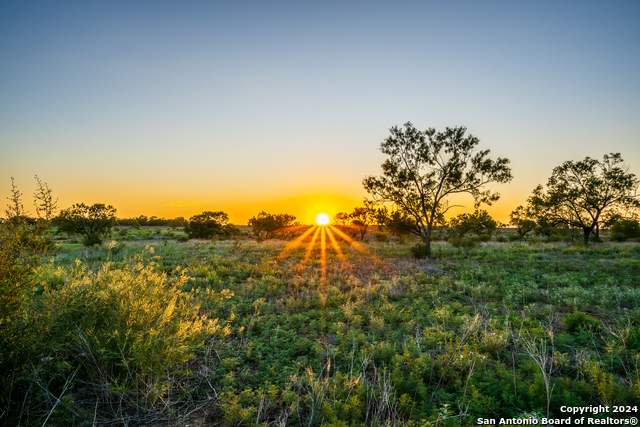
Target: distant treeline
[152,221]
[141,221]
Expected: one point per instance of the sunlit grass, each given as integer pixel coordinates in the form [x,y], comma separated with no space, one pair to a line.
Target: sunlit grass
[324,329]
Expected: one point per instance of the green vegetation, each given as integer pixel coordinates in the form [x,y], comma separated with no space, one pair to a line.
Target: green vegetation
[268,226]
[208,225]
[93,222]
[625,229]
[478,222]
[426,168]
[325,331]
[358,221]
[230,333]
[23,241]
[584,195]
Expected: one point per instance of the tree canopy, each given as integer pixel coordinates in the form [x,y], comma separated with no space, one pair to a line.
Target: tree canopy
[583,194]
[424,169]
[269,226]
[478,222]
[358,221]
[92,222]
[209,224]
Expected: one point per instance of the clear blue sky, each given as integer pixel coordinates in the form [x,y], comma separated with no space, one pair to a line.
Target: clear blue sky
[172,108]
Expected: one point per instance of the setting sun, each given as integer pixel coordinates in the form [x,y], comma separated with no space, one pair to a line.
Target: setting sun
[322,219]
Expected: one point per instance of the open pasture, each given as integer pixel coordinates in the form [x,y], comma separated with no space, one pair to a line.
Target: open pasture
[243,333]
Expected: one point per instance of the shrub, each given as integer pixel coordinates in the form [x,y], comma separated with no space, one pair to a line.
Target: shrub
[555,237]
[177,222]
[23,241]
[419,250]
[208,225]
[624,229]
[133,324]
[479,222]
[466,243]
[382,237]
[93,222]
[484,237]
[579,320]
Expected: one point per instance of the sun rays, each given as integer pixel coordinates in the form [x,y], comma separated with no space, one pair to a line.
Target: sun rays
[316,237]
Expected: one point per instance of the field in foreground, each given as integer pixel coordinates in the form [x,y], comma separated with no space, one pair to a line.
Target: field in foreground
[238,333]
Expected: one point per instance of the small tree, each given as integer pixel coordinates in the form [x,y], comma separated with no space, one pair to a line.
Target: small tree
[177,222]
[479,222]
[23,242]
[363,216]
[426,168]
[582,194]
[358,221]
[208,225]
[523,220]
[268,226]
[92,222]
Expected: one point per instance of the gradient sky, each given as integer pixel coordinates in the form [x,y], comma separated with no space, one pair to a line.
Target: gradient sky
[173,108]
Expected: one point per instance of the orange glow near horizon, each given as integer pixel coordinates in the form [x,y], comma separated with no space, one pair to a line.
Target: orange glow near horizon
[320,235]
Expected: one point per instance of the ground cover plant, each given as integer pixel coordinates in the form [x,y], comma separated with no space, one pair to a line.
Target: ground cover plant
[246,333]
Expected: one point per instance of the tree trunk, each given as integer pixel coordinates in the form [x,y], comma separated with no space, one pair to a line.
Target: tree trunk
[427,239]
[586,233]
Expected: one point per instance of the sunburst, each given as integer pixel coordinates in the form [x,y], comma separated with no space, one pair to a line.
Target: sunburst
[319,234]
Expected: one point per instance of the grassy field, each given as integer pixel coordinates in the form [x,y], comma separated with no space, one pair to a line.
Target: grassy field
[153,331]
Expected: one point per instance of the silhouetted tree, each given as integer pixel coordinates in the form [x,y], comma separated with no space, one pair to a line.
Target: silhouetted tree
[177,222]
[524,220]
[268,226]
[92,222]
[426,168]
[582,194]
[208,225]
[478,222]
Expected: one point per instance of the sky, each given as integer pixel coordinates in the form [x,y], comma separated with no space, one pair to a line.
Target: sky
[174,108]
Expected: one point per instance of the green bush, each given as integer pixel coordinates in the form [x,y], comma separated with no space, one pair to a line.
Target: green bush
[208,225]
[625,229]
[484,237]
[133,325]
[466,243]
[579,320]
[478,222]
[382,237]
[23,242]
[419,250]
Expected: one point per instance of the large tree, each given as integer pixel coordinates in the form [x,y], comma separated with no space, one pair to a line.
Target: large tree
[582,194]
[426,168]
